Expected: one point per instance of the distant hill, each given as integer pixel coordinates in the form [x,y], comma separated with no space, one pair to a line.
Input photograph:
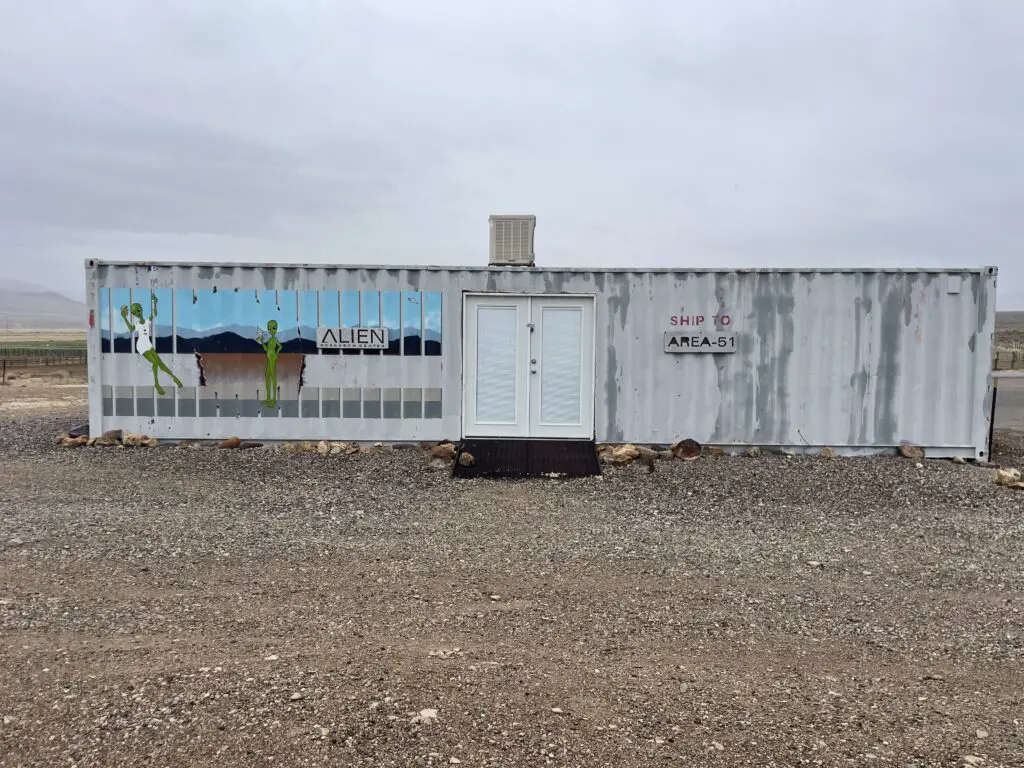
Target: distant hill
[26,306]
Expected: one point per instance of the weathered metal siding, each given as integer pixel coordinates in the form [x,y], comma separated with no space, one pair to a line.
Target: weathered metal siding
[855,360]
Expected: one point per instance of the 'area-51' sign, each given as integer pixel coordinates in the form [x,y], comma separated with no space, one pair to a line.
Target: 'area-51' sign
[676,341]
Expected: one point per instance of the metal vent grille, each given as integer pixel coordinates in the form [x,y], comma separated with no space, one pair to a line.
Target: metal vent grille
[512,240]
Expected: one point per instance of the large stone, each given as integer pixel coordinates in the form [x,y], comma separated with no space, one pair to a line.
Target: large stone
[425,716]
[74,442]
[231,442]
[911,451]
[445,451]
[828,453]
[648,457]
[1008,477]
[687,449]
[110,438]
[466,459]
[624,454]
[323,448]
[753,452]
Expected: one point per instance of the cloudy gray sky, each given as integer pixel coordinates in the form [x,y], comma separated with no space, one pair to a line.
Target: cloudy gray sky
[661,133]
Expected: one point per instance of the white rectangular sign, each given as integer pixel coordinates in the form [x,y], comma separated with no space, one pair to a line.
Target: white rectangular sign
[700,341]
[352,338]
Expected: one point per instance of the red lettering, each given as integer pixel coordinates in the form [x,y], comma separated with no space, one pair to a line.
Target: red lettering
[682,319]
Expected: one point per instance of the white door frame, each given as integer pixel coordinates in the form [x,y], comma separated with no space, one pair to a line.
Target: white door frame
[468,397]
[521,425]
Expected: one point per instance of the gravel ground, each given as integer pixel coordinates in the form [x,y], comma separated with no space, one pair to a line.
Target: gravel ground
[173,606]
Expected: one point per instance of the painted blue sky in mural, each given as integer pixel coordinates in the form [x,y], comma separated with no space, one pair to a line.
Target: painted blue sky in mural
[210,320]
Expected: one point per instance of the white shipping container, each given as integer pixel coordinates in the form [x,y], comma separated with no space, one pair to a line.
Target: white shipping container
[855,360]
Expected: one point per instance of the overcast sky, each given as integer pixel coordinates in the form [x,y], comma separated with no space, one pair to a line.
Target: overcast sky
[656,133]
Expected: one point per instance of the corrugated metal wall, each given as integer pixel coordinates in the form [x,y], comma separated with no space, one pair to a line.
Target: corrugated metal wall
[852,360]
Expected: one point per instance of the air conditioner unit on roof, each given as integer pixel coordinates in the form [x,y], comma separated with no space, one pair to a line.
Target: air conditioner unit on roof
[512,241]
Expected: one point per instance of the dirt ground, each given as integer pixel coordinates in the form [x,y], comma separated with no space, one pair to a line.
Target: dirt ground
[178,606]
[44,389]
[1009,328]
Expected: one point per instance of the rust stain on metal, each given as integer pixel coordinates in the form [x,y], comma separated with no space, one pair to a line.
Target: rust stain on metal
[232,370]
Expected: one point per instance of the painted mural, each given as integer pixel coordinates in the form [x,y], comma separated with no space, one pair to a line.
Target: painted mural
[249,349]
[137,323]
[272,348]
[228,321]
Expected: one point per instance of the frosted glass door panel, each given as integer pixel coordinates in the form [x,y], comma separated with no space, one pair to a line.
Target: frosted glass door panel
[497,328]
[561,333]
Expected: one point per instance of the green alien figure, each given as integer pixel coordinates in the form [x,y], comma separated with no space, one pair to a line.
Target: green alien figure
[143,342]
[272,347]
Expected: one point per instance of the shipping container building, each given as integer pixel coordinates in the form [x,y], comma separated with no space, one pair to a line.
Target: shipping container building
[795,359]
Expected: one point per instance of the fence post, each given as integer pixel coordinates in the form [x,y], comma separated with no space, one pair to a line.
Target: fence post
[4,379]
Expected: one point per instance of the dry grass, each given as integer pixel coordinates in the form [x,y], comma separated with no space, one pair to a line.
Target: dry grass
[44,390]
[1009,329]
[42,337]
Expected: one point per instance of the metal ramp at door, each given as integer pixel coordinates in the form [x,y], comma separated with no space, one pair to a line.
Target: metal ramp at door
[525,458]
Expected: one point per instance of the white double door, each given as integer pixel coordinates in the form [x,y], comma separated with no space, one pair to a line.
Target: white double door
[529,366]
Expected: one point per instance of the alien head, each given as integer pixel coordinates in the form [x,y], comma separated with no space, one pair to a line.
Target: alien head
[137,311]
[272,327]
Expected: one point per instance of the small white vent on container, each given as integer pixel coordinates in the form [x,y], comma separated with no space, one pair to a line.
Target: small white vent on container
[512,241]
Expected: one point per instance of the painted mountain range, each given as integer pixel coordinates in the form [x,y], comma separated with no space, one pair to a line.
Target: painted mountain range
[240,339]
